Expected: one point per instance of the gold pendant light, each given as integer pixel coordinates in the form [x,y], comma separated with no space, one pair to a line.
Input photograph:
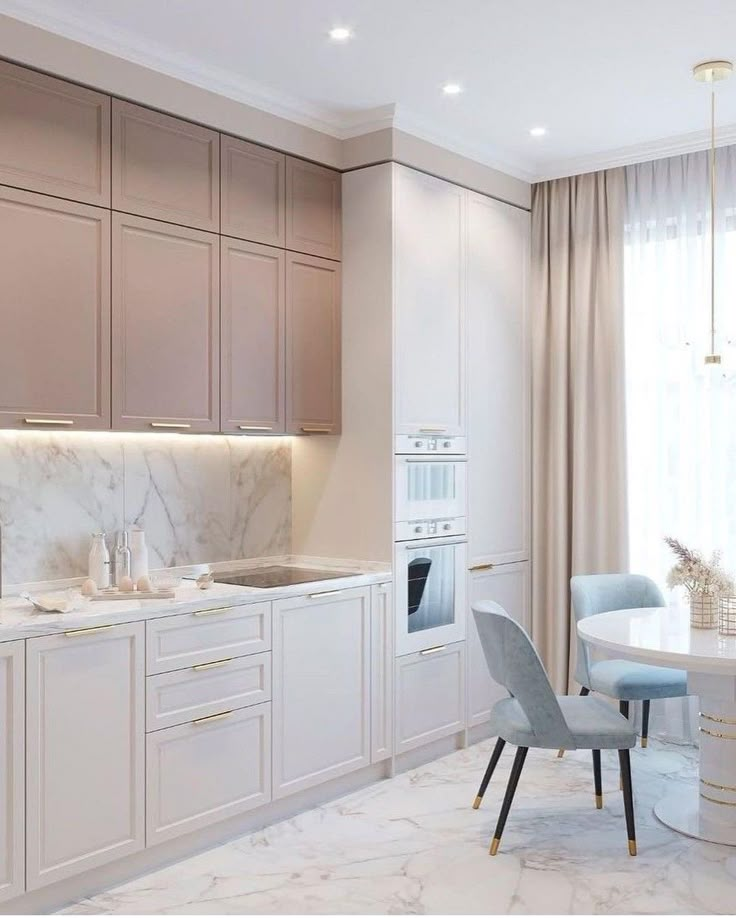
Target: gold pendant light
[711,72]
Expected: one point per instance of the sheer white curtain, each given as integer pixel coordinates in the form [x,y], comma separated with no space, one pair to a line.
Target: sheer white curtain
[681,414]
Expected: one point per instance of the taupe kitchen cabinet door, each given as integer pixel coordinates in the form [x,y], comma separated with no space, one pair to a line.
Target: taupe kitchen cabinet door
[164,167]
[12,772]
[85,750]
[55,136]
[253,191]
[313,204]
[253,308]
[312,345]
[54,313]
[165,320]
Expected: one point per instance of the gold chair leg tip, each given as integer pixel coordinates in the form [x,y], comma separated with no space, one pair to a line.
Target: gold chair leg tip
[560,753]
[476,802]
[599,801]
[494,847]
[632,848]
[644,741]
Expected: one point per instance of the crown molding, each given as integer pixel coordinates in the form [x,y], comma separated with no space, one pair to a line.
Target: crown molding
[638,153]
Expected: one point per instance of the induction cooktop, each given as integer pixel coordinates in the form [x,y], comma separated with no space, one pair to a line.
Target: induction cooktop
[277,576]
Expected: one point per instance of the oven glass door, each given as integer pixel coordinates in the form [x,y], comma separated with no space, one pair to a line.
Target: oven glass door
[430,602]
[429,488]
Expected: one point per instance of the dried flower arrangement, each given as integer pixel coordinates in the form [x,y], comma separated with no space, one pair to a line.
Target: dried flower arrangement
[695,573]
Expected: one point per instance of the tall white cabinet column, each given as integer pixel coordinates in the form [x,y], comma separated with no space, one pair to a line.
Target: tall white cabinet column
[12,777]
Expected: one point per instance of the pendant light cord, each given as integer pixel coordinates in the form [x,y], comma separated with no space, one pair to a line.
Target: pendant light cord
[713,219]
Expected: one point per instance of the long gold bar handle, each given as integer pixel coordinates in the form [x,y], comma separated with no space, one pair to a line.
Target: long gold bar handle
[252,427]
[80,632]
[220,610]
[49,422]
[430,430]
[322,430]
[481,567]
[200,667]
[325,593]
[426,653]
[170,425]
[212,717]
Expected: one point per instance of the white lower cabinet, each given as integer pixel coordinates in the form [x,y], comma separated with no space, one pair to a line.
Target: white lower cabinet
[207,770]
[509,586]
[84,750]
[12,780]
[382,672]
[321,688]
[430,695]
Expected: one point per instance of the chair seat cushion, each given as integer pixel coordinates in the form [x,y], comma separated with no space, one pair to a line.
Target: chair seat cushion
[631,681]
[593,723]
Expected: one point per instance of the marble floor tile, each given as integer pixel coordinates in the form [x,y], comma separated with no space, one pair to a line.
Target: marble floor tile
[414,845]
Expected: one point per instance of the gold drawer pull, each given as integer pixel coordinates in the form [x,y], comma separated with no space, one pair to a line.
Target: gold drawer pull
[80,632]
[426,653]
[212,717]
[200,667]
[481,567]
[430,430]
[170,425]
[325,593]
[252,427]
[323,430]
[60,422]
[218,611]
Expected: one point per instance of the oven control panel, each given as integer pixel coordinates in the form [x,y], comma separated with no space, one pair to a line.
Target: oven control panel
[430,529]
[430,445]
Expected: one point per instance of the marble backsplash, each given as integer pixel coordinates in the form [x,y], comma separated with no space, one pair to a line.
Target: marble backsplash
[198,498]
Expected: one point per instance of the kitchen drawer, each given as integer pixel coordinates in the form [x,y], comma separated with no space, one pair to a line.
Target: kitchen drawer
[205,771]
[206,689]
[181,641]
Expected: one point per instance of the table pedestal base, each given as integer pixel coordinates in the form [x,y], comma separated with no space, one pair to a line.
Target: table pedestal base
[682,812]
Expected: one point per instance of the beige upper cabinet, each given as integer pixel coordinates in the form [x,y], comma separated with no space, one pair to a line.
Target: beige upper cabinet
[253,192]
[54,313]
[165,319]
[313,345]
[165,168]
[252,337]
[313,209]
[55,136]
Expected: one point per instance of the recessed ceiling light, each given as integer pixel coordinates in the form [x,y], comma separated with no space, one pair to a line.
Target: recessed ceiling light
[538,131]
[340,33]
[452,89]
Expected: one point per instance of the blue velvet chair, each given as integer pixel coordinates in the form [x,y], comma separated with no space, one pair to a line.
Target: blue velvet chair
[624,680]
[534,717]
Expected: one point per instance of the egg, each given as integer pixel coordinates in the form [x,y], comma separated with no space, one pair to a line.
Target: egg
[89,587]
[144,584]
[125,585]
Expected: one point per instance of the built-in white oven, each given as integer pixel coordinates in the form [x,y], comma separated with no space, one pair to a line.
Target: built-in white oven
[430,593]
[429,490]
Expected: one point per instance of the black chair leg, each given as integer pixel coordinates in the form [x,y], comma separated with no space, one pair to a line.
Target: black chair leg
[623,757]
[495,756]
[623,707]
[509,796]
[644,724]
[583,691]
[597,779]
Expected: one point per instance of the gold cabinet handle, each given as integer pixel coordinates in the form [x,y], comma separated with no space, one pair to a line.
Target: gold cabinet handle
[220,610]
[426,653]
[430,430]
[80,632]
[212,717]
[481,567]
[49,422]
[252,427]
[322,430]
[171,425]
[200,667]
[325,593]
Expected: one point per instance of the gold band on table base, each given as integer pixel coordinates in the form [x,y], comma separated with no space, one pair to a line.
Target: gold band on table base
[599,801]
[719,802]
[476,802]
[716,734]
[494,846]
[724,787]
[632,847]
[717,720]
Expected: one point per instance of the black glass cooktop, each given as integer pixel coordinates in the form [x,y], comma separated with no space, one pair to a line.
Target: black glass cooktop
[265,577]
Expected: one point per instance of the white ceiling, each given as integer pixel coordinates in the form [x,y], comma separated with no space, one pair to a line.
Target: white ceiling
[610,79]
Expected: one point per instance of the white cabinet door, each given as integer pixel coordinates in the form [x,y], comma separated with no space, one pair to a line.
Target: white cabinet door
[430,695]
[12,783]
[321,688]
[205,771]
[499,372]
[509,586]
[84,751]
[382,672]
[429,305]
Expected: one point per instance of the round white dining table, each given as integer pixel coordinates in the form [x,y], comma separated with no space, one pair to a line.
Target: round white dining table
[663,637]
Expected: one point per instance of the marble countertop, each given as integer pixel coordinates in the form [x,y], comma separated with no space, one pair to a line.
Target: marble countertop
[19,620]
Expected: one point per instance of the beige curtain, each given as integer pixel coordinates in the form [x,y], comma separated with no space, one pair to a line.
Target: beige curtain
[579,435]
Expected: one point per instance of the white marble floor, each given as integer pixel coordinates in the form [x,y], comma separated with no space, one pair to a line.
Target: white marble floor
[413,845]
